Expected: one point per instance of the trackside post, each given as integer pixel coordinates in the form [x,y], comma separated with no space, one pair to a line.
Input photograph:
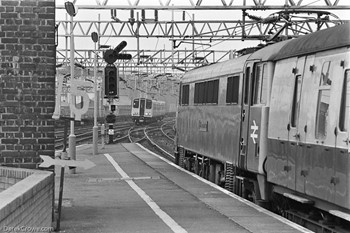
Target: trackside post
[103,129]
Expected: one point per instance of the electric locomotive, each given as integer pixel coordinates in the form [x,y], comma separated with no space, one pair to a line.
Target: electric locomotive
[273,123]
[147,110]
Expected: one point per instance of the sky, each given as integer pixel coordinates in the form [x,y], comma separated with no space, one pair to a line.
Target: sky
[157,44]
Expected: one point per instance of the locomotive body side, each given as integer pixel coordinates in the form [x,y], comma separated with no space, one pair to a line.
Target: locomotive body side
[234,134]
[209,127]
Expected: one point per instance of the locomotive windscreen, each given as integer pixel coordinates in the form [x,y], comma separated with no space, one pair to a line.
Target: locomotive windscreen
[136,103]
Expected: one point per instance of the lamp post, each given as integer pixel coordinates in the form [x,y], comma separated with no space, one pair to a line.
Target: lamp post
[95,38]
[69,6]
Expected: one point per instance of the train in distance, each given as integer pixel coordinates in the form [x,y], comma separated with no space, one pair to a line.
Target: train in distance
[146,110]
[273,126]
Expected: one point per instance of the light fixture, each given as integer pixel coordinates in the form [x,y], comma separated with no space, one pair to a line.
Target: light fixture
[71,9]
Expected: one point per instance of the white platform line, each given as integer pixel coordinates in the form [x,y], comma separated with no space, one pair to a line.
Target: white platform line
[157,210]
[260,209]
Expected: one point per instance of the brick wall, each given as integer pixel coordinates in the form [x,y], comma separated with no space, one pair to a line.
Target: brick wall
[9,177]
[28,203]
[27,81]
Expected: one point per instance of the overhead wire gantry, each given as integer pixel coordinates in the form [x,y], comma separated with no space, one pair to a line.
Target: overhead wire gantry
[289,20]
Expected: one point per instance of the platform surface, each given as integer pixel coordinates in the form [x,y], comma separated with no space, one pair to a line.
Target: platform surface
[133,190]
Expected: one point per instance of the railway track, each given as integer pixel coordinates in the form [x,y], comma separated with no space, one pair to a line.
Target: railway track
[158,137]
[162,139]
[84,133]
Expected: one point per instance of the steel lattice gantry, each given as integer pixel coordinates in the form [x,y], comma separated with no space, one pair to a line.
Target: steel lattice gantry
[160,61]
[213,4]
[291,19]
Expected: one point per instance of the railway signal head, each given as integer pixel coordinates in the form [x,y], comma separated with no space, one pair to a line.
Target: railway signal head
[111,81]
[111,55]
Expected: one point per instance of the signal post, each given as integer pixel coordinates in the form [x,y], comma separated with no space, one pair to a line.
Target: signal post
[112,83]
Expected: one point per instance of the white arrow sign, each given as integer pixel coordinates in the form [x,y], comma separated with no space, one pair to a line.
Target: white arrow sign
[48,161]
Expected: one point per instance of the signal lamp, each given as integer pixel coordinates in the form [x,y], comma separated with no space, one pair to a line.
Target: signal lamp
[111,81]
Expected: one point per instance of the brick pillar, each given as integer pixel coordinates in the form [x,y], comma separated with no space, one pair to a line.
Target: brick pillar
[27,81]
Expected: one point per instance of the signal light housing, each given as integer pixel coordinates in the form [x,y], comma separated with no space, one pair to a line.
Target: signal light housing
[111,82]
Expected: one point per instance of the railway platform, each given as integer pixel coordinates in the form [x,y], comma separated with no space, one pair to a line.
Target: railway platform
[134,190]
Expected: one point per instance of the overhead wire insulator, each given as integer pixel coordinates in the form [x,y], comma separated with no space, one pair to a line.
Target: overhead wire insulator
[114,15]
[253,17]
[132,18]
[271,19]
[143,15]
[156,15]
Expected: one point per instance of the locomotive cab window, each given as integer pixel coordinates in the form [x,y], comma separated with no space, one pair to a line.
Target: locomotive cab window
[323,101]
[296,101]
[232,90]
[148,104]
[136,103]
[259,85]
[185,94]
[246,85]
[180,94]
[345,103]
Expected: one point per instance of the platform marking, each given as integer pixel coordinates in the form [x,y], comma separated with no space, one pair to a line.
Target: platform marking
[258,208]
[162,215]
